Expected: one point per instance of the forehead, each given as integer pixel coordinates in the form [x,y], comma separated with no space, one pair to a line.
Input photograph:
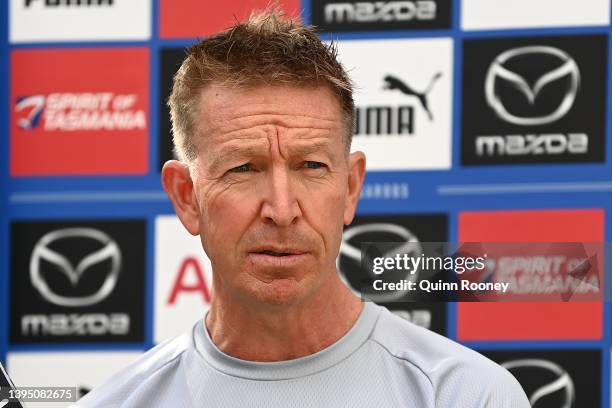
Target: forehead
[225,111]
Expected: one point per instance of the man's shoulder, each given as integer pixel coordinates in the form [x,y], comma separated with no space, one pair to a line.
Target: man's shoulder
[422,347]
[151,366]
[452,369]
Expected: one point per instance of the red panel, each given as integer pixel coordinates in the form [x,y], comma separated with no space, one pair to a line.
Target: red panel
[194,18]
[86,111]
[531,321]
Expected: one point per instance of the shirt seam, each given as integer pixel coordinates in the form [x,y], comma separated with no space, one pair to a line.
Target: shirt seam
[166,363]
[385,348]
[144,379]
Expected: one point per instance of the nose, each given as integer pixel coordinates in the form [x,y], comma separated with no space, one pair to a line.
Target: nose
[280,204]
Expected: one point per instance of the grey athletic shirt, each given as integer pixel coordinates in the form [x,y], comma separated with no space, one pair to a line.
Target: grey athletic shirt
[383,361]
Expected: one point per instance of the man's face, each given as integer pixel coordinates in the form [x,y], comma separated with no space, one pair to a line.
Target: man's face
[272,189]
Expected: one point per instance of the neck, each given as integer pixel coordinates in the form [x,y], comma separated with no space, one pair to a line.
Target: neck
[282,332]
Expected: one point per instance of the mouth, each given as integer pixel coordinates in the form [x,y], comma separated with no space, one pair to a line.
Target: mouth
[275,253]
[276,250]
[277,257]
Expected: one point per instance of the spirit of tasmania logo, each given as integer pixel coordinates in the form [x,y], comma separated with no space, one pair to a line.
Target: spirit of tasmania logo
[90,119]
[80,111]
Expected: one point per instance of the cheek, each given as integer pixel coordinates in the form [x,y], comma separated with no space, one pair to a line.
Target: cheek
[328,212]
[225,218]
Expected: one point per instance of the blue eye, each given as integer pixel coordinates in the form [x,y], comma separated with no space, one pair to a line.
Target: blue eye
[243,168]
[313,165]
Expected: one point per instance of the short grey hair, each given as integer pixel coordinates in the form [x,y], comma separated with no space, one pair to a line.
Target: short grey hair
[269,48]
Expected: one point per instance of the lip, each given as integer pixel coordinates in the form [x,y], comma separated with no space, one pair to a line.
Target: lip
[286,261]
[277,249]
[294,257]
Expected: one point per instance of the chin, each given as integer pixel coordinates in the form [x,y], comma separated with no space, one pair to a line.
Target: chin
[284,291]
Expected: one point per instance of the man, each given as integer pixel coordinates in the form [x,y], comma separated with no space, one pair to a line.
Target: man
[262,117]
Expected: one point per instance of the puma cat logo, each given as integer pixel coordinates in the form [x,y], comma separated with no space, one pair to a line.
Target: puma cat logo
[392,83]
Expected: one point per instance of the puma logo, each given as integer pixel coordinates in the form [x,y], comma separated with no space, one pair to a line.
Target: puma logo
[392,82]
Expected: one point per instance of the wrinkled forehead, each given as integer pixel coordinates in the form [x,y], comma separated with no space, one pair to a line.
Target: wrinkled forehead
[225,110]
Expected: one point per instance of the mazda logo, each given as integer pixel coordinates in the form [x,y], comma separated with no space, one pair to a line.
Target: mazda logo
[498,72]
[409,245]
[109,251]
[562,381]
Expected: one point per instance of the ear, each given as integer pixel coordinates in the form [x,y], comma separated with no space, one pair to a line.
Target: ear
[177,183]
[356,175]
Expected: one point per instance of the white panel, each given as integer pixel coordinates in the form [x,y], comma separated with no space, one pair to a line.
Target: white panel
[65,369]
[501,14]
[35,21]
[419,64]
[174,247]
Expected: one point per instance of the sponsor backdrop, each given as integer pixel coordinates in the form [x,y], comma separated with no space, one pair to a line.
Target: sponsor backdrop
[482,120]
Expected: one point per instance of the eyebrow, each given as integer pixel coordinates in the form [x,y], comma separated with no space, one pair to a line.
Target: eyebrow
[304,149]
[236,150]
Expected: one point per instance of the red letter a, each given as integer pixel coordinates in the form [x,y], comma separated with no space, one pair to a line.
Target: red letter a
[199,286]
